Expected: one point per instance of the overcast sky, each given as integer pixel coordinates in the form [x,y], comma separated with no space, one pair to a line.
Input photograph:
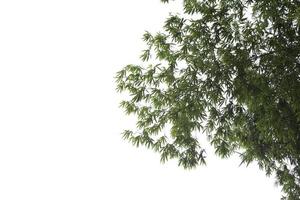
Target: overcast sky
[60,123]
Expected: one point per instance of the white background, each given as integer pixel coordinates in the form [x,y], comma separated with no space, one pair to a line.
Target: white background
[60,123]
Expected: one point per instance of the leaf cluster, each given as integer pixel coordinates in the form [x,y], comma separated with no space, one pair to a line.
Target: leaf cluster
[227,69]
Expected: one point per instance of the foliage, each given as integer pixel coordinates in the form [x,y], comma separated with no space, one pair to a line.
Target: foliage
[228,69]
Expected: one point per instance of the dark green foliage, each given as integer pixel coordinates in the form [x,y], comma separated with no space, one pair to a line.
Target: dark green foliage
[228,69]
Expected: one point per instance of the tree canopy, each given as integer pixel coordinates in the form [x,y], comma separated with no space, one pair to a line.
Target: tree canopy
[229,70]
